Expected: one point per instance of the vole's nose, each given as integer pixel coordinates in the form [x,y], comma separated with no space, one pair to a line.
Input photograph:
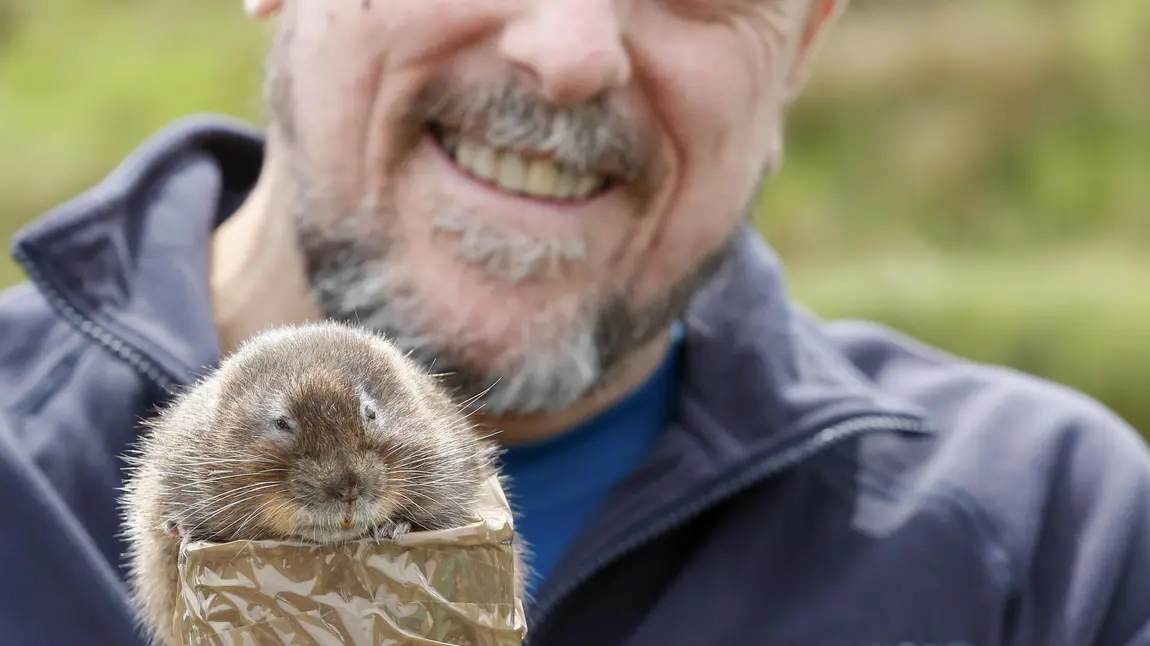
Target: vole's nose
[346,488]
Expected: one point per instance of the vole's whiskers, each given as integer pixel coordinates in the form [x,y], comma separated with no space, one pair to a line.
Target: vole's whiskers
[465,404]
[247,494]
[218,460]
[243,521]
[406,501]
[228,475]
[223,494]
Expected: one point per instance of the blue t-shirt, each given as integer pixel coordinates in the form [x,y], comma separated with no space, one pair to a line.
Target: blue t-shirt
[555,485]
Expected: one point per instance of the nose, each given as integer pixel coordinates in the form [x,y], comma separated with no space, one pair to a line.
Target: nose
[346,488]
[571,49]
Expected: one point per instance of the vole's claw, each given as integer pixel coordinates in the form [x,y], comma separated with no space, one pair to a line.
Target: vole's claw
[390,531]
[399,530]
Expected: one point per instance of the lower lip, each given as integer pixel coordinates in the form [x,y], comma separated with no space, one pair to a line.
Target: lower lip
[568,207]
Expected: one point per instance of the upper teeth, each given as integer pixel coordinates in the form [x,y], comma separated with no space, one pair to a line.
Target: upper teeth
[518,174]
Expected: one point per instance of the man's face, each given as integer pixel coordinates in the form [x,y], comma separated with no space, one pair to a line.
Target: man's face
[523,192]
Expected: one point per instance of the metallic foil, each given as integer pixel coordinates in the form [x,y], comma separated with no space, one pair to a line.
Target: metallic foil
[455,586]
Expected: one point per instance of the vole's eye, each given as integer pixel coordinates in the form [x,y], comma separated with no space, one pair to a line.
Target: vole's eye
[368,411]
[283,424]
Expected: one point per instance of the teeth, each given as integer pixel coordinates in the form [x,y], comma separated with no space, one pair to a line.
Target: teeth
[512,172]
[517,174]
[465,153]
[486,164]
[541,177]
[565,185]
[586,184]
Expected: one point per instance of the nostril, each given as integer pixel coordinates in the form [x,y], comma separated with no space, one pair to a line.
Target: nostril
[346,489]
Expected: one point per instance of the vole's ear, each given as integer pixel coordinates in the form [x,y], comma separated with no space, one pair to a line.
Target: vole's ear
[261,9]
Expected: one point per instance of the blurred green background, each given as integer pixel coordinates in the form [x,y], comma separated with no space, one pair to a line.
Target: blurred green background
[973,173]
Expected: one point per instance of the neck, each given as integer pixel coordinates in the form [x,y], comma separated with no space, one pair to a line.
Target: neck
[257,272]
[522,429]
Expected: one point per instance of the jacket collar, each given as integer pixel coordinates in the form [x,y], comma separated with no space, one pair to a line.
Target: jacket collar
[127,261]
[759,364]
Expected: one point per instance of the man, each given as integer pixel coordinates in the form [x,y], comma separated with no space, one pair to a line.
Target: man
[545,200]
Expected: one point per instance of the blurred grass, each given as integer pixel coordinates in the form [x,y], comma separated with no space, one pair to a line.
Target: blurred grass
[972,173]
[82,83]
[1078,316]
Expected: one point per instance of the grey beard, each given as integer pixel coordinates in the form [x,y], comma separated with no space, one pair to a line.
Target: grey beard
[359,274]
[363,280]
[511,257]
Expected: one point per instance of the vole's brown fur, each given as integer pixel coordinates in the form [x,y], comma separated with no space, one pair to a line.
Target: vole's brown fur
[276,442]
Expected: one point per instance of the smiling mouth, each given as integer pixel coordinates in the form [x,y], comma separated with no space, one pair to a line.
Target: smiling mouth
[517,173]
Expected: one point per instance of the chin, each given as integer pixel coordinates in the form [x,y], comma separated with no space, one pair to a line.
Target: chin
[501,326]
[328,536]
[328,533]
[518,368]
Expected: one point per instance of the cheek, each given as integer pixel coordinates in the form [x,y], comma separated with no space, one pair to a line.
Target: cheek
[303,475]
[330,133]
[385,468]
[282,513]
[716,94]
[374,465]
[355,69]
[266,493]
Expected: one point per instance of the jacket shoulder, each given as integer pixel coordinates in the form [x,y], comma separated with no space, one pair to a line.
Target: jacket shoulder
[1054,483]
[38,348]
[957,392]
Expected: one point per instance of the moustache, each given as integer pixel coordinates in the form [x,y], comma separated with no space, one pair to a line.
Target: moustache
[592,136]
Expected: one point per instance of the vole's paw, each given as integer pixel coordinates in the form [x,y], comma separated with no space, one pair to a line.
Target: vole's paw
[175,529]
[390,531]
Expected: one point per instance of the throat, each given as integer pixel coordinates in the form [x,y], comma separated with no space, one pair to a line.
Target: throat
[257,275]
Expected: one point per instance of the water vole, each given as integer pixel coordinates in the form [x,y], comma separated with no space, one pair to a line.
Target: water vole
[317,433]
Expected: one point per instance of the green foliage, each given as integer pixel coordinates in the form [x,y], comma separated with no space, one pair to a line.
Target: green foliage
[82,83]
[971,173]
[983,125]
[1080,317]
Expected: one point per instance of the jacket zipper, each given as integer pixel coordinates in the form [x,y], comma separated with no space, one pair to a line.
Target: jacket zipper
[160,378]
[770,466]
[87,327]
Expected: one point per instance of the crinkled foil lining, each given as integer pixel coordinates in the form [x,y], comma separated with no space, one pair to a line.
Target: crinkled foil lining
[452,586]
